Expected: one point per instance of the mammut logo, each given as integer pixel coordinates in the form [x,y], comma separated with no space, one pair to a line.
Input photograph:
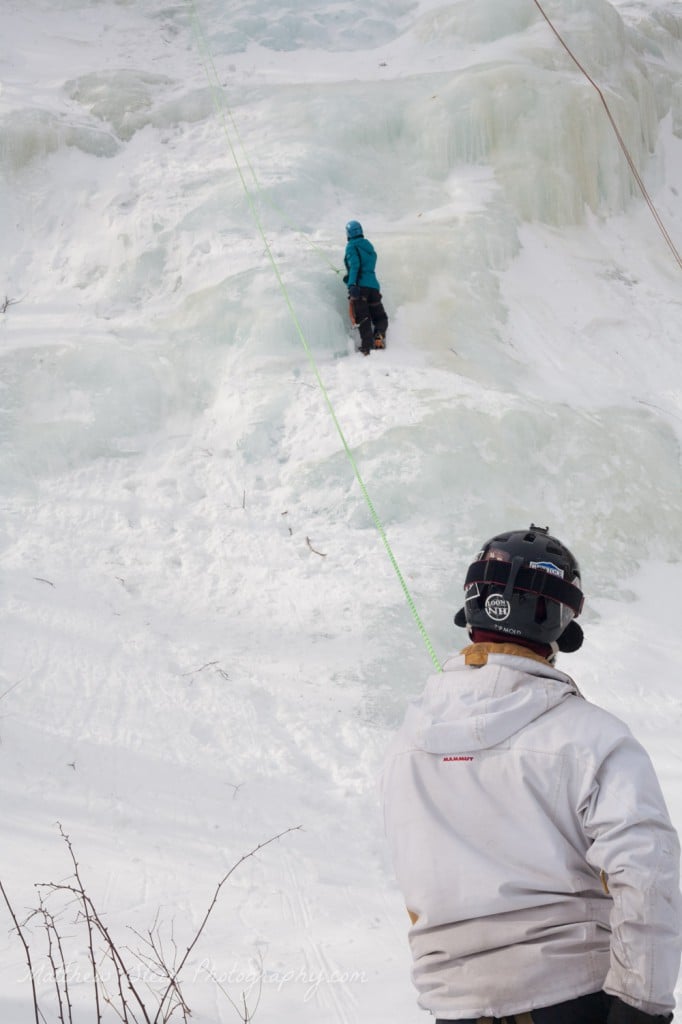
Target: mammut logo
[459,757]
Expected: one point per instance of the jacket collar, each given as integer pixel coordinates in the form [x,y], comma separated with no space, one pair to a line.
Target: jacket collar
[477,654]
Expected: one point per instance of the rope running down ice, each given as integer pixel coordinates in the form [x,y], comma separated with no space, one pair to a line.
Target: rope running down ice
[621,141]
[214,82]
[220,107]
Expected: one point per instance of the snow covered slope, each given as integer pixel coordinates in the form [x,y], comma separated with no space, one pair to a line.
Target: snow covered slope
[204,641]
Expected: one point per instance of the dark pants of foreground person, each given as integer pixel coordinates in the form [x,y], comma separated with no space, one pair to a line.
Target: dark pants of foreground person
[370,317]
[591,1009]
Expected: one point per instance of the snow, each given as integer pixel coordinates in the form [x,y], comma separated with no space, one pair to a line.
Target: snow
[204,641]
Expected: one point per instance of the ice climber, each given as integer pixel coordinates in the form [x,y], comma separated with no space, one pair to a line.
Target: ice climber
[528,830]
[364,292]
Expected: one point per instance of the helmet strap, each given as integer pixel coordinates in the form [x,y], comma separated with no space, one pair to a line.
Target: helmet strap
[516,563]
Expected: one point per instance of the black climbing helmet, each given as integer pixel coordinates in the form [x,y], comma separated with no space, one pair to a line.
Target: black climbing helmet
[353,229]
[525,584]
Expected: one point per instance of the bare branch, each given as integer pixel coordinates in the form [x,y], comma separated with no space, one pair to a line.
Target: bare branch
[322,554]
[94,921]
[26,950]
[49,928]
[194,671]
[244,1014]
[158,958]
[212,904]
[88,921]
[10,688]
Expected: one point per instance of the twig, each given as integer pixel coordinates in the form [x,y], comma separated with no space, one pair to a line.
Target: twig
[117,959]
[53,939]
[209,664]
[93,920]
[211,905]
[160,967]
[246,1015]
[322,554]
[160,959]
[88,920]
[26,950]
[123,1012]
[10,688]
[39,579]
[192,672]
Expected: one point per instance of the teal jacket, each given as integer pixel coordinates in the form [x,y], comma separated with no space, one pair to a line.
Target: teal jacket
[361,259]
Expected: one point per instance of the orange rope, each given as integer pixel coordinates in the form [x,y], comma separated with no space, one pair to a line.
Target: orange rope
[621,142]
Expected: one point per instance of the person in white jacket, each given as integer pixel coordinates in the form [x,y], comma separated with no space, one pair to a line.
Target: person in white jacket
[527,827]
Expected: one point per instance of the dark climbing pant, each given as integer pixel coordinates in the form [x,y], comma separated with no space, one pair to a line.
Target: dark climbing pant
[369,317]
[591,1009]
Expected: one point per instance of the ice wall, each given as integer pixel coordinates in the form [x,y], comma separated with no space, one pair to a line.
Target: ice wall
[334,26]
[520,104]
[133,252]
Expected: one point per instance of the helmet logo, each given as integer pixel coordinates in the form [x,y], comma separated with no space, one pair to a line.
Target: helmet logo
[549,567]
[497,607]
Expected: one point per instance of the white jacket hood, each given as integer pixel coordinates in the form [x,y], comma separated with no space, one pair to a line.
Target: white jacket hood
[478,712]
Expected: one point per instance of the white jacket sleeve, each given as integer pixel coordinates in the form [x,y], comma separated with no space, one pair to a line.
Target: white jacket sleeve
[636,846]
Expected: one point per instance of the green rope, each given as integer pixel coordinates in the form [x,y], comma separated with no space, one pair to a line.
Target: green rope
[214,81]
[216,91]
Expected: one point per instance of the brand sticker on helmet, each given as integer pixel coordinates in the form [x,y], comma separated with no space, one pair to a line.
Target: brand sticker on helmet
[497,607]
[549,567]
